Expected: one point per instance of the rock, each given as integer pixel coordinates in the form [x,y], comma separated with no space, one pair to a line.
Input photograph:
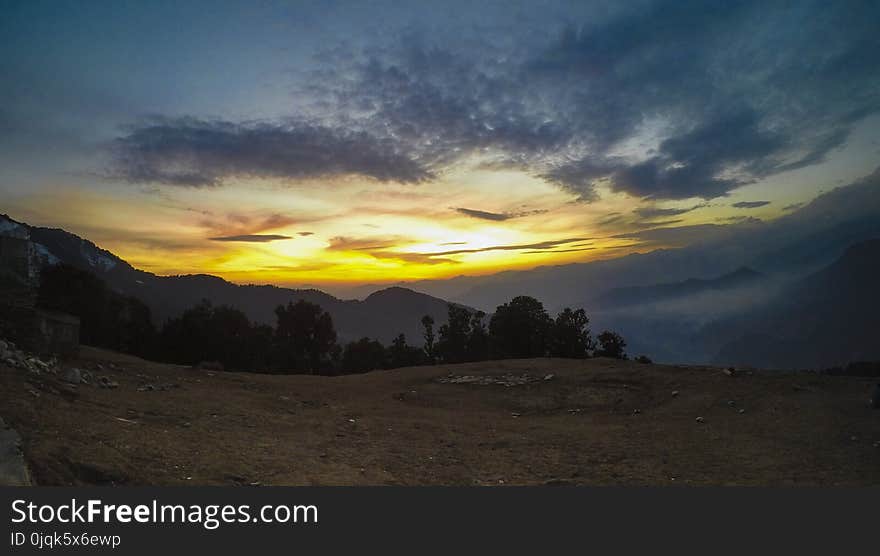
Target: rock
[731,403]
[486,380]
[72,375]
[146,388]
[13,469]
[551,376]
[700,420]
[674,393]
[637,411]
[741,411]
[729,371]
[105,382]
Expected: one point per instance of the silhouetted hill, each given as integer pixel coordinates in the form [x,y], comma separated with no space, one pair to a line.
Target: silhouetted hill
[640,295]
[383,315]
[831,317]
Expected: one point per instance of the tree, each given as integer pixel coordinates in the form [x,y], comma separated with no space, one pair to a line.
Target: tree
[430,348]
[401,354]
[362,356]
[611,344]
[571,335]
[107,318]
[478,341]
[520,328]
[217,333]
[452,347]
[304,337]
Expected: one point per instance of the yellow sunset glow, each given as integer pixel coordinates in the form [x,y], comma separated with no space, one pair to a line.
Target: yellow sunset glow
[356,231]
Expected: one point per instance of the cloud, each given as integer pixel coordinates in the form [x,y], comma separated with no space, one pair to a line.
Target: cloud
[388,248]
[654,212]
[243,226]
[572,250]
[484,215]
[728,93]
[793,206]
[686,235]
[539,245]
[496,216]
[252,238]
[346,243]
[305,234]
[741,219]
[191,152]
[750,204]
[714,96]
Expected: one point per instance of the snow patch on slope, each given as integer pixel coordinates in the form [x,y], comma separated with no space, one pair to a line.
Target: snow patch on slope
[45,255]
[96,259]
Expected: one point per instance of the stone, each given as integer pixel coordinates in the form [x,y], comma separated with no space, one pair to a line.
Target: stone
[72,375]
[700,420]
[488,380]
[105,382]
[674,393]
[13,469]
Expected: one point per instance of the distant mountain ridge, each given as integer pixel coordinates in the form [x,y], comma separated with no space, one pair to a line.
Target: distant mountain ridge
[639,295]
[829,318]
[382,315]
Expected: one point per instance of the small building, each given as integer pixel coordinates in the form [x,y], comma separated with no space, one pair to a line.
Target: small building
[37,330]
[57,333]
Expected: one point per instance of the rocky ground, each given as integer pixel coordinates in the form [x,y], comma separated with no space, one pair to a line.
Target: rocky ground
[107,418]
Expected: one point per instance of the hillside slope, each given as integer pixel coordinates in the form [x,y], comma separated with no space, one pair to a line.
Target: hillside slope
[382,316]
[829,318]
[519,422]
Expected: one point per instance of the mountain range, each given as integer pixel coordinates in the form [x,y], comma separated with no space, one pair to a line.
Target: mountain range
[799,291]
[382,315]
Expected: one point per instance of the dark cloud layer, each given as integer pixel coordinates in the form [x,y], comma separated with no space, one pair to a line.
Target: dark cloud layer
[725,93]
[496,216]
[198,153]
[252,238]
[750,204]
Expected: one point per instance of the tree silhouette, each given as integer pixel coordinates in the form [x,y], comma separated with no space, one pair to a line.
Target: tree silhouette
[571,335]
[304,337]
[222,334]
[452,347]
[401,354]
[362,356]
[478,341]
[429,348]
[611,344]
[520,328]
[107,318]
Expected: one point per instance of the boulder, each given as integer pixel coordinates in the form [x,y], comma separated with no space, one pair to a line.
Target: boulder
[72,375]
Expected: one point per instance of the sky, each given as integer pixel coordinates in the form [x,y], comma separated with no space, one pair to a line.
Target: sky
[333,142]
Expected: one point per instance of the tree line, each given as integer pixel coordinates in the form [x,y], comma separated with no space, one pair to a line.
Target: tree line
[304,339]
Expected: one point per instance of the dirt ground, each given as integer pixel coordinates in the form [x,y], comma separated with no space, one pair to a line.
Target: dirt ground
[594,422]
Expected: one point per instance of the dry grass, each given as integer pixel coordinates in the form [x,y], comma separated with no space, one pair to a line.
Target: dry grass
[596,422]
